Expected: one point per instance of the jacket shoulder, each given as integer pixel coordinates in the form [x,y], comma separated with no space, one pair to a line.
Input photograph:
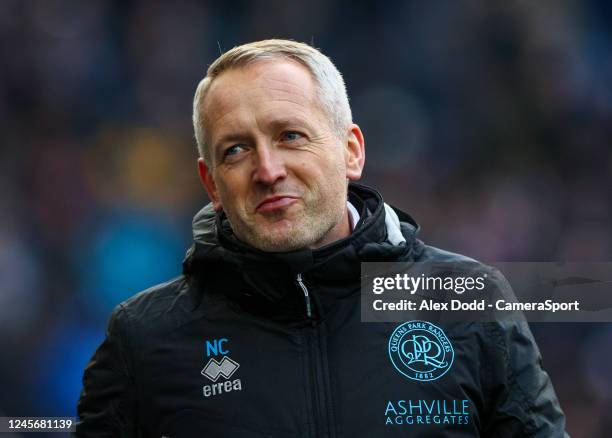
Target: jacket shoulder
[159,307]
[522,393]
[432,254]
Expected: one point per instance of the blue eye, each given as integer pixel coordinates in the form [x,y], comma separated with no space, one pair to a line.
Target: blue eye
[291,136]
[233,150]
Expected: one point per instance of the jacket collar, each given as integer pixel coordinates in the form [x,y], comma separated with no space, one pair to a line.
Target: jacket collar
[382,234]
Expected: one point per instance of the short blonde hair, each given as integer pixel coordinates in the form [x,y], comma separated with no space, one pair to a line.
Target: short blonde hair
[330,85]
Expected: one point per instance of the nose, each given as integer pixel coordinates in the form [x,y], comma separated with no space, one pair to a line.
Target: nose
[270,166]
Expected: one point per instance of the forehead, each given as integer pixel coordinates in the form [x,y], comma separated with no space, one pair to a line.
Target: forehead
[263,89]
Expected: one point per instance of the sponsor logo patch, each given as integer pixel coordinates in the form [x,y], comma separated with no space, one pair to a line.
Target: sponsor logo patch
[420,351]
[223,368]
[420,411]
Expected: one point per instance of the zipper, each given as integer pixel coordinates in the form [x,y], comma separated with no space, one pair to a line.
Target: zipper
[322,417]
[314,387]
[306,295]
[320,393]
[314,395]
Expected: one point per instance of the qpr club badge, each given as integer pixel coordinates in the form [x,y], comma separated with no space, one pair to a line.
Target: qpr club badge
[420,351]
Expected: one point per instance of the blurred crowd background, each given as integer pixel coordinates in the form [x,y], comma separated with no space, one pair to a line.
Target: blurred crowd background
[490,122]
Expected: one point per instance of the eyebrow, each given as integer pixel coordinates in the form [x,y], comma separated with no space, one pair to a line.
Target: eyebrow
[236,137]
[231,138]
[285,121]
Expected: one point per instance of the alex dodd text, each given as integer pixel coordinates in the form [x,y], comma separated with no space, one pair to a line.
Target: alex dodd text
[480,305]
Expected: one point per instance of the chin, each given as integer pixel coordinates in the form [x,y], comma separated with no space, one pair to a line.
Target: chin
[280,239]
[280,242]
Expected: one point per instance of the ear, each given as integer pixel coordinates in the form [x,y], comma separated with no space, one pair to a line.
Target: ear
[354,153]
[206,177]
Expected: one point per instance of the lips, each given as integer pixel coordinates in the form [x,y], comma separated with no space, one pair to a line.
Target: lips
[276,202]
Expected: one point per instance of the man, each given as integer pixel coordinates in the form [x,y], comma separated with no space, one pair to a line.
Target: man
[261,335]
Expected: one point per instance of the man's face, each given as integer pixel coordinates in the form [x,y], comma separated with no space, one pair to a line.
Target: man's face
[278,169]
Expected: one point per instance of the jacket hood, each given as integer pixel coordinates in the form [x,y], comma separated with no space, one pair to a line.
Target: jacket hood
[383,233]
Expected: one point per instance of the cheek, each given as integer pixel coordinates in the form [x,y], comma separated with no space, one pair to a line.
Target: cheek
[336,166]
[229,188]
[326,170]
[238,193]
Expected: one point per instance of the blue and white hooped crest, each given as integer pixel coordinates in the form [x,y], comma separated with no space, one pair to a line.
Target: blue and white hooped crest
[420,351]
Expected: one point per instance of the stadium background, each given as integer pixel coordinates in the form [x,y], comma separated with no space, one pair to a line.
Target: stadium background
[490,122]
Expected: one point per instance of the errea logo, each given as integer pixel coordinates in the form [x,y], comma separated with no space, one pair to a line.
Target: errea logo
[224,368]
[213,369]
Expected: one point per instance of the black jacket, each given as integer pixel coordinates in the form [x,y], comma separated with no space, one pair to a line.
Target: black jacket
[254,344]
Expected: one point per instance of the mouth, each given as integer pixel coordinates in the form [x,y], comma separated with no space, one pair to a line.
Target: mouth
[275,202]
